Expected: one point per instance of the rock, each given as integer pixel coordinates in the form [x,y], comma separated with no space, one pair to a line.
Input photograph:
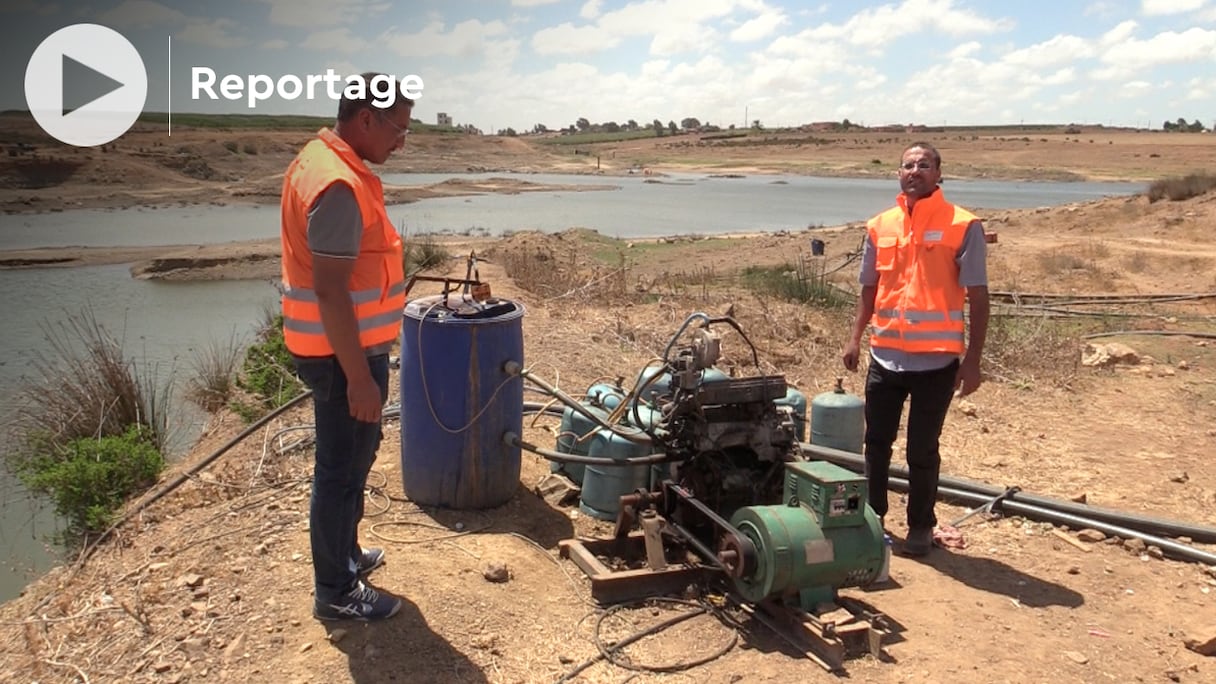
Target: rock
[1156,552]
[1076,657]
[1180,478]
[1211,570]
[1092,536]
[1183,365]
[157,566]
[191,580]
[496,572]
[305,647]
[557,490]
[1111,354]
[1074,570]
[161,667]
[966,408]
[1204,644]
[1079,498]
[337,635]
[236,648]
[1135,545]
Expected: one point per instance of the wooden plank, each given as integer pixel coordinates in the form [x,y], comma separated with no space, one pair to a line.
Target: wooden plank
[1064,536]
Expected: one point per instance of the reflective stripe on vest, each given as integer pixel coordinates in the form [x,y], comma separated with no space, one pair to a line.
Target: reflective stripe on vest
[918,307]
[377,283]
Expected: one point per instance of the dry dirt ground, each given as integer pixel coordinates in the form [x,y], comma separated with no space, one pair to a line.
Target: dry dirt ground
[212,582]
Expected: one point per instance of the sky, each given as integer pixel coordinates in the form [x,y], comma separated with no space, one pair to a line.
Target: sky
[516,63]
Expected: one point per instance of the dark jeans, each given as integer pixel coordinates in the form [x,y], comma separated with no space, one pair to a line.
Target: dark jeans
[886,391]
[346,449]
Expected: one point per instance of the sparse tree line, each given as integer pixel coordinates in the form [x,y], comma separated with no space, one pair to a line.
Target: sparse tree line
[1181,126]
[583,125]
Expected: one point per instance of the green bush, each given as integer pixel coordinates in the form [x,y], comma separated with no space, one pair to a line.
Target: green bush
[423,254]
[1179,188]
[88,479]
[268,372]
[799,283]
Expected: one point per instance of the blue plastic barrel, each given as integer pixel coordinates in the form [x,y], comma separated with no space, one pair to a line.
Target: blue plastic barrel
[457,401]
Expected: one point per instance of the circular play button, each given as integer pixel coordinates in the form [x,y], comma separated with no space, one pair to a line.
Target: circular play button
[85,84]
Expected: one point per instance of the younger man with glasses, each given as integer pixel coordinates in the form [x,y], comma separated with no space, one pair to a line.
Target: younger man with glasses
[923,259]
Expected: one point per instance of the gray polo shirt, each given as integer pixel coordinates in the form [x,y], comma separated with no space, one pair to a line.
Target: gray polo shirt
[335,229]
[972,260]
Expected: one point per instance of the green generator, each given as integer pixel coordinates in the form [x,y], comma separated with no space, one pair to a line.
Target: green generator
[823,536]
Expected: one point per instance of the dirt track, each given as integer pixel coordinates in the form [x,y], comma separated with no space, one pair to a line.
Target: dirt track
[211,583]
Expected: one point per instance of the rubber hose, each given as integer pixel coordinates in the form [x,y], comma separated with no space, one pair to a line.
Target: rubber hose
[512,439]
[1146,524]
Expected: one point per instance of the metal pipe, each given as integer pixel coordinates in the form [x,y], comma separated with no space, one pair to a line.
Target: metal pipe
[1149,525]
[512,439]
[514,368]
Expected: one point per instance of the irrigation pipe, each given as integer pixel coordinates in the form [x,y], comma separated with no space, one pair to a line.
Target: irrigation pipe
[512,439]
[1156,527]
[1165,333]
[513,368]
[192,471]
[1105,297]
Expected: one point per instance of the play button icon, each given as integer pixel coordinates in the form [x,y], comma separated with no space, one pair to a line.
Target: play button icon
[85,84]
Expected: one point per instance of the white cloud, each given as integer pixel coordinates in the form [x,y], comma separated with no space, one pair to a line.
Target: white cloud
[1100,9]
[759,27]
[1119,33]
[1062,49]
[568,39]
[467,38]
[335,40]
[532,3]
[965,50]
[879,26]
[1160,7]
[676,39]
[142,14]
[215,34]
[1193,44]
[275,44]
[313,13]
[591,9]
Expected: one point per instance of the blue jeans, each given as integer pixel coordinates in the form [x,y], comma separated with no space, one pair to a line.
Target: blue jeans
[346,449]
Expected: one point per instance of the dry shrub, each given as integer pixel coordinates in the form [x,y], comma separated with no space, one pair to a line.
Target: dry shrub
[214,376]
[1025,350]
[549,274]
[89,389]
[1179,188]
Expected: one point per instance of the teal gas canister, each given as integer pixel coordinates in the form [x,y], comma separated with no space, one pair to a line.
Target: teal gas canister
[838,420]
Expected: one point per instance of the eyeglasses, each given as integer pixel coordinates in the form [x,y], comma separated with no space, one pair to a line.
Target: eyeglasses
[922,165]
[401,131]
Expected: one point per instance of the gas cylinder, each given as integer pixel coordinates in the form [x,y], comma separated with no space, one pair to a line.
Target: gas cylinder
[838,420]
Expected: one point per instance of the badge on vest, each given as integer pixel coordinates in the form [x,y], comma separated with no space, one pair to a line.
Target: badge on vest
[933,236]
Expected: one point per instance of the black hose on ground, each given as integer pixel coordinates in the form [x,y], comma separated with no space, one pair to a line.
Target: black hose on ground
[1146,524]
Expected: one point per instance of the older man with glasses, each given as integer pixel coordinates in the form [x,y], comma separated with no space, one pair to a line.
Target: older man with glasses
[923,260]
[344,289]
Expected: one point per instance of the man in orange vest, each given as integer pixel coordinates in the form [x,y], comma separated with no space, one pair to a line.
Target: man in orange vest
[344,292]
[923,259]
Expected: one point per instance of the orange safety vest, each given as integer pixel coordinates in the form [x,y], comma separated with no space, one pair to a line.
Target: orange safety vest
[919,303]
[377,285]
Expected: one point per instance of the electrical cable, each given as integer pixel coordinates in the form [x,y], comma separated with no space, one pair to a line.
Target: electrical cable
[608,652]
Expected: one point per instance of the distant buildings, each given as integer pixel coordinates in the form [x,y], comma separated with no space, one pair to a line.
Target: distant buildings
[445,119]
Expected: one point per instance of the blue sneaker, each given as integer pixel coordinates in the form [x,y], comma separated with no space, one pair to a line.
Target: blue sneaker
[360,603]
[369,560]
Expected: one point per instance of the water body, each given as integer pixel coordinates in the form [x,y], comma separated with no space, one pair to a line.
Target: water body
[166,324]
[162,327]
[675,205]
